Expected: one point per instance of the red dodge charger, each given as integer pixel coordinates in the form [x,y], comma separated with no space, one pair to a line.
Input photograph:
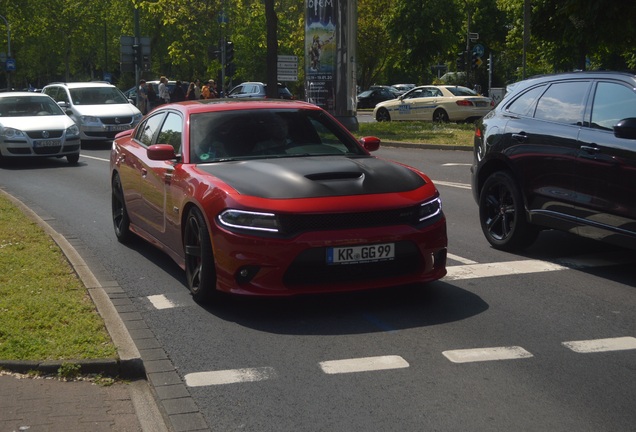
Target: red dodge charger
[273,198]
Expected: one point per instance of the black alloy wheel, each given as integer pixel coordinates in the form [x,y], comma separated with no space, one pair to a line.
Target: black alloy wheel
[199,261]
[502,214]
[440,116]
[383,115]
[121,222]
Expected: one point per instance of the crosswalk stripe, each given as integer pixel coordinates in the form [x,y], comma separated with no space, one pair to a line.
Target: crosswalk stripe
[230,376]
[486,354]
[365,364]
[602,345]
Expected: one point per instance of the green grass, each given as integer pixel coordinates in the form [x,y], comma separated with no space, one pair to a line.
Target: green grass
[450,134]
[45,310]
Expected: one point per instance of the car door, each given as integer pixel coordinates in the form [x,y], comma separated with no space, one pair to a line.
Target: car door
[156,179]
[414,105]
[541,141]
[606,163]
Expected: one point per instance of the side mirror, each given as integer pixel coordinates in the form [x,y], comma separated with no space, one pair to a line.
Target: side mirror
[161,152]
[626,128]
[370,144]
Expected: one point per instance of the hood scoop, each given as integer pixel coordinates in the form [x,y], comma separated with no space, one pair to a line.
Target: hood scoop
[326,176]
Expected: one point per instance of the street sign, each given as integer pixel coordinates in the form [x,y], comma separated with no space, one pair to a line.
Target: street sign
[288,58]
[478,49]
[473,36]
[287,68]
[10,65]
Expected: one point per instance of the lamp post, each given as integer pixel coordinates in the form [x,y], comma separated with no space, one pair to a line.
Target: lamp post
[8,49]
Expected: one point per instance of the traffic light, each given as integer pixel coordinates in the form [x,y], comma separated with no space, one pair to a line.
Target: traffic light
[229,52]
[460,62]
[136,54]
[489,63]
[474,62]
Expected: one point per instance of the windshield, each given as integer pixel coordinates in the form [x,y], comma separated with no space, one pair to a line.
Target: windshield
[267,133]
[98,96]
[461,91]
[27,106]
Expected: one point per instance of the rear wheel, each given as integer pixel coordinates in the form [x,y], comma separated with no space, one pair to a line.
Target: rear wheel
[121,222]
[502,214]
[383,115]
[440,116]
[199,261]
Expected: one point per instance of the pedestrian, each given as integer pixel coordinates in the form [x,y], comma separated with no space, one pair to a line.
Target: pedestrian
[197,89]
[191,94]
[142,97]
[152,96]
[178,95]
[164,95]
[209,90]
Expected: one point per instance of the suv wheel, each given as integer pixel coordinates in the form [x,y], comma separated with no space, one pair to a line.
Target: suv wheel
[502,214]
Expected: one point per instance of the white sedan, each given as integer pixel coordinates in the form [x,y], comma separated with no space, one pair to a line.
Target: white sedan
[435,103]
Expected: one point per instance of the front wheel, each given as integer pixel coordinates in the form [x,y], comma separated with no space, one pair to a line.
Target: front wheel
[502,214]
[73,158]
[383,115]
[121,222]
[199,260]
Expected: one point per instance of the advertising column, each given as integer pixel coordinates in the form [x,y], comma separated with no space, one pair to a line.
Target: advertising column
[330,31]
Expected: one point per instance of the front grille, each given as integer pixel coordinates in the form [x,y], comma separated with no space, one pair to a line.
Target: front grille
[19,150]
[293,224]
[40,134]
[47,150]
[310,267]
[119,121]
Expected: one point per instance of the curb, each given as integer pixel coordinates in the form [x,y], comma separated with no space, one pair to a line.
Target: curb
[129,364]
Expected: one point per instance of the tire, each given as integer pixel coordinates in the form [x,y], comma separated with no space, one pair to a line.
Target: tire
[199,260]
[440,116]
[383,115]
[73,158]
[121,222]
[502,214]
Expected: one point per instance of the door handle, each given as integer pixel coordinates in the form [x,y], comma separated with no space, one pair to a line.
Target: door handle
[520,137]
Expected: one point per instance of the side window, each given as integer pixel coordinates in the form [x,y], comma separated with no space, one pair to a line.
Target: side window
[171,132]
[148,129]
[612,103]
[524,104]
[563,103]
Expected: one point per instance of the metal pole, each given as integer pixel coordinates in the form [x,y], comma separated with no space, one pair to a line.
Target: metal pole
[8,50]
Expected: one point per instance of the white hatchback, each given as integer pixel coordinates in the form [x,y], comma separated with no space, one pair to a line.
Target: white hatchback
[33,125]
[99,109]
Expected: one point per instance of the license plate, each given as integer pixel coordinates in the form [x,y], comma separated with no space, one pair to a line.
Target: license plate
[360,254]
[118,128]
[47,143]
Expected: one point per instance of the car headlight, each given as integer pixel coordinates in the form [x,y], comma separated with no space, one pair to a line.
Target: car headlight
[137,118]
[248,220]
[72,131]
[430,209]
[12,133]
[89,119]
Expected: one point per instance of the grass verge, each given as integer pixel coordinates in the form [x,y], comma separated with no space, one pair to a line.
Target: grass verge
[450,134]
[45,310]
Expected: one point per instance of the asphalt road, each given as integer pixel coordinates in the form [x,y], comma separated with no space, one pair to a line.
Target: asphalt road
[540,341]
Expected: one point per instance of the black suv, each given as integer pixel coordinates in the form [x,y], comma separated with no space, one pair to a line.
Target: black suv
[559,152]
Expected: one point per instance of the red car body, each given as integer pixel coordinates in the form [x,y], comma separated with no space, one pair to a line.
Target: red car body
[266,223]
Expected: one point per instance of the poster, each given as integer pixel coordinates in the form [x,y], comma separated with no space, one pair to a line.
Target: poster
[320,52]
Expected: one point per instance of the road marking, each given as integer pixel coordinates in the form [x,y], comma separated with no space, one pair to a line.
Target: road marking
[460,259]
[95,158]
[161,302]
[473,271]
[602,345]
[452,184]
[486,354]
[365,364]
[230,376]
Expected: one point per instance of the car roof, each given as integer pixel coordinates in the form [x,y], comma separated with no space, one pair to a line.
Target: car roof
[207,105]
[22,94]
[81,84]
[520,85]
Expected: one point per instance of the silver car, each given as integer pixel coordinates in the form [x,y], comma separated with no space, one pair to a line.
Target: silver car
[33,125]
[99,109]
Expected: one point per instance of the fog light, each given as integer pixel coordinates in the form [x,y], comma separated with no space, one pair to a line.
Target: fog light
[246,274]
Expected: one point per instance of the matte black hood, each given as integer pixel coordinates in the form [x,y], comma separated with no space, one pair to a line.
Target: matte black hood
[313,177]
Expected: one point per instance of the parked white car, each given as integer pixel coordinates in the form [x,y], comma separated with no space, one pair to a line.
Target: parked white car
[33,125]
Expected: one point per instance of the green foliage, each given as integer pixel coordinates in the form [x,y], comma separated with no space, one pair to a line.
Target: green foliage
[419,132]
[398,40]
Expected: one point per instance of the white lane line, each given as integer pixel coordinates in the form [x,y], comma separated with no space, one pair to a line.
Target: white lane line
[460,259]
[473,271]
[230,376]
[365,364]
[452,184]
[486,354]
[602,345]
[93,157]
[161,302]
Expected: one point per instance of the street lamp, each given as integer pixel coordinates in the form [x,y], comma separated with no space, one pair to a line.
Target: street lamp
[8,49]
